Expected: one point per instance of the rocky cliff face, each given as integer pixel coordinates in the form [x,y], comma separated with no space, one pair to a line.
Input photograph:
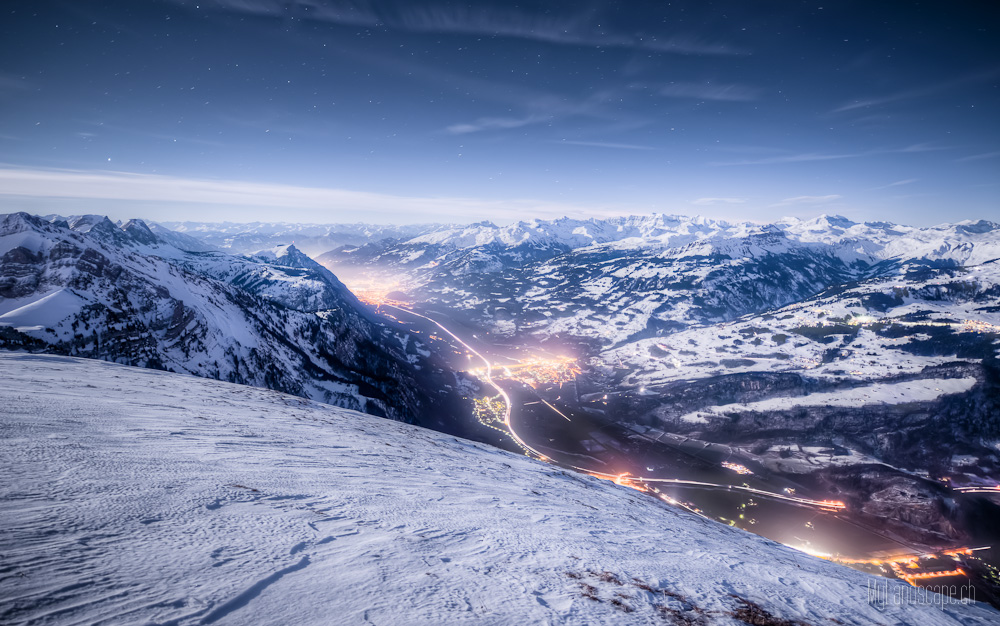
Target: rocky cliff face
[123,294]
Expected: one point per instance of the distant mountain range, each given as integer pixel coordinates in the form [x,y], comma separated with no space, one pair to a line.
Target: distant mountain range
[618,279]
[313,239]
[607,281]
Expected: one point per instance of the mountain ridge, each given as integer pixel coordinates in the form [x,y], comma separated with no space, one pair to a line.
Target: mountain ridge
[121,293]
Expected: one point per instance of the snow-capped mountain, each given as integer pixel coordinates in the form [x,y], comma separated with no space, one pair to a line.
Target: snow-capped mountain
[279,320]
[963,243]
[281,274]
[617,279]
[487,247]
[136,496]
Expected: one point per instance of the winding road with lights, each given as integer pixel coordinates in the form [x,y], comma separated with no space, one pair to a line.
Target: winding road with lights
[630,481]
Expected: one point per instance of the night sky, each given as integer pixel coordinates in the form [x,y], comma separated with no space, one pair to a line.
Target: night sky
[415,111]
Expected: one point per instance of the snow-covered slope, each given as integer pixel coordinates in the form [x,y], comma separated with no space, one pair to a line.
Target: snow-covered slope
[869,330]
[281,274]
[135,496]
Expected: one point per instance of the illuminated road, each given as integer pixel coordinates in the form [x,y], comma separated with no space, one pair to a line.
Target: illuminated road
[978,489]
[560,413]
[826,505]
[488,377]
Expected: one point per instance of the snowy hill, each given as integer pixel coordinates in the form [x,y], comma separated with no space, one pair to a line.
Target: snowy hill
[136,496]
[122,293]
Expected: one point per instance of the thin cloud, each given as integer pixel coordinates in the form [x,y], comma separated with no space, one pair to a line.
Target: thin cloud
[979,157]
[917,92]
[541,109]
[898,183]
[816,156]
[12,83]
[605,144]
[808,200]
[686,44]
[495,123]
[922,147]
[575,30]
[871,102]
[19,183]
[791,158]
[709,91]
[711,201]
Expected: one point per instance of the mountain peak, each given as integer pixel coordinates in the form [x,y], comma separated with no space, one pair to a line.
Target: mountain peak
[18,222]
[83,223]
[139,232]
[103,228]
[276,252]
[838,221]
[977,228]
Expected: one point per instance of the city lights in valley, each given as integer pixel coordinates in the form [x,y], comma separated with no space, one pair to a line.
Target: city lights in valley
[374,292]
[736,467]
[536,371]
